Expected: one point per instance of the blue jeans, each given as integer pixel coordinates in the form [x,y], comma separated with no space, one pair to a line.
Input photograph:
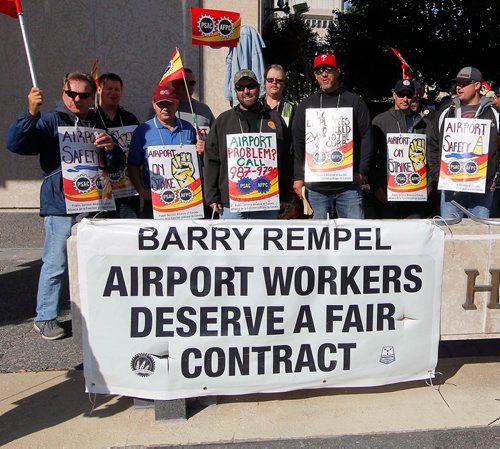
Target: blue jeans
[477,203]
[257,215]
[55,263]
[348,203]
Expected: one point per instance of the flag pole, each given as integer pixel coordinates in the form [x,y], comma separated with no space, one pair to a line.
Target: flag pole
[26,42]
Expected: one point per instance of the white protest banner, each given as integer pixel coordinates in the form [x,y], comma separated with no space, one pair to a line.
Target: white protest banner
[86,183]
[329,144]
[120,182]
[235,307]
[464,155]
[406,167]
[252,160]
[175,181]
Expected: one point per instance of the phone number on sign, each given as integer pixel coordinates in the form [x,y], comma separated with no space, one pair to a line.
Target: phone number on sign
[243,172]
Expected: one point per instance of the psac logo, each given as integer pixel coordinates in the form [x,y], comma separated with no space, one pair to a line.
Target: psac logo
[142,364]
[207,26]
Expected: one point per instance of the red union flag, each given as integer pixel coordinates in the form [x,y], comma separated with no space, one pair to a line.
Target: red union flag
[11,7]
[175,69]
[407,71]
[215,28]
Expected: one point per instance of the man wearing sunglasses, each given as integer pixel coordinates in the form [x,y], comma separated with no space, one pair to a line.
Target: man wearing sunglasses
[468,104]
[275,79]
[202,112]
[497,97]
[403,117]
[341,198]
[249,116]
[34,133]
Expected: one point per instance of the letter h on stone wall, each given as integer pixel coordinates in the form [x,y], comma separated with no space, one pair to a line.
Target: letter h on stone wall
[472,288]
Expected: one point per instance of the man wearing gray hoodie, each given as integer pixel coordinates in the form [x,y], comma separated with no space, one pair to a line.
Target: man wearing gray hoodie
[468,104]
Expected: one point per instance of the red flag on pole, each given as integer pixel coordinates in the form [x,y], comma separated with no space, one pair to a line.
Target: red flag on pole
[407,71]
[11,7]
[175,69]
[215,28]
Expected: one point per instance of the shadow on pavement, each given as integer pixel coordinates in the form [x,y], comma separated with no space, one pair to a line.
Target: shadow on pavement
[55,405]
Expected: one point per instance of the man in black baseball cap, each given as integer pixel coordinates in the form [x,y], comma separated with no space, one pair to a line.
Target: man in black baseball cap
[497,96]
[399,119]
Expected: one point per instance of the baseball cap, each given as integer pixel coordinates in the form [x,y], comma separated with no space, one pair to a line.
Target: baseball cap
[325,59]
[404,86]
[165,93]
[245,73]
[497,91]
[468,74]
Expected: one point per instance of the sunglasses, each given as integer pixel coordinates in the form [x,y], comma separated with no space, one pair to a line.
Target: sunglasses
[465,83]
[242,87]
[72,94]
[405,94]
[275,80]
[321,70]
[180,82]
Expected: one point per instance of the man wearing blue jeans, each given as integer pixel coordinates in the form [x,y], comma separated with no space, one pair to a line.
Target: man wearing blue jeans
[328,199]
[37,134]
[468,104]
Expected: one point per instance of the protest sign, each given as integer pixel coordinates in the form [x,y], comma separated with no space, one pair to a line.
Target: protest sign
[236,307]
[329,145]
[252,160]
[175,181]
[406,167]
[464,155]
[86,183]
[120,182]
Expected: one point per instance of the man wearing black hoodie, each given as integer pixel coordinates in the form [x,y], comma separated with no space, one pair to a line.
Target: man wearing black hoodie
[341,197]
[34,133]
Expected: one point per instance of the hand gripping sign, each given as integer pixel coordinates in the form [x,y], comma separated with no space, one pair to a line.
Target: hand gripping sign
[329,145]
[175,181]
[406,167]
[86,183]
[253,172]
[464,155]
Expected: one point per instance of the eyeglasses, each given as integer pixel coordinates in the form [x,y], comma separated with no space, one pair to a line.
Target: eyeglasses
[463,84]
[321,70]
[242,87]
[275,80]
[163,104]
[72,94]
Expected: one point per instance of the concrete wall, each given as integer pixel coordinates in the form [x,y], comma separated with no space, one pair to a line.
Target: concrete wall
[133,39]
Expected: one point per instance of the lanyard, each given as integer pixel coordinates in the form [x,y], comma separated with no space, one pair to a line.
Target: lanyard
[260,127]
[178,123]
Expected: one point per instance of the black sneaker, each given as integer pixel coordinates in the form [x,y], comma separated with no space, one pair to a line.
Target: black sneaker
[50,330]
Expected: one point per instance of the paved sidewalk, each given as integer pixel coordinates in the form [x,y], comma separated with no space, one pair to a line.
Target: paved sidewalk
[50,409]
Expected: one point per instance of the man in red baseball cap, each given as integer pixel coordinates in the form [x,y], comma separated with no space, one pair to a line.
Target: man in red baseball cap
[163,129]
[341,198]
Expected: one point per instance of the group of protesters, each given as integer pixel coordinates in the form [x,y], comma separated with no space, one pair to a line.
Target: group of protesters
[306,188]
